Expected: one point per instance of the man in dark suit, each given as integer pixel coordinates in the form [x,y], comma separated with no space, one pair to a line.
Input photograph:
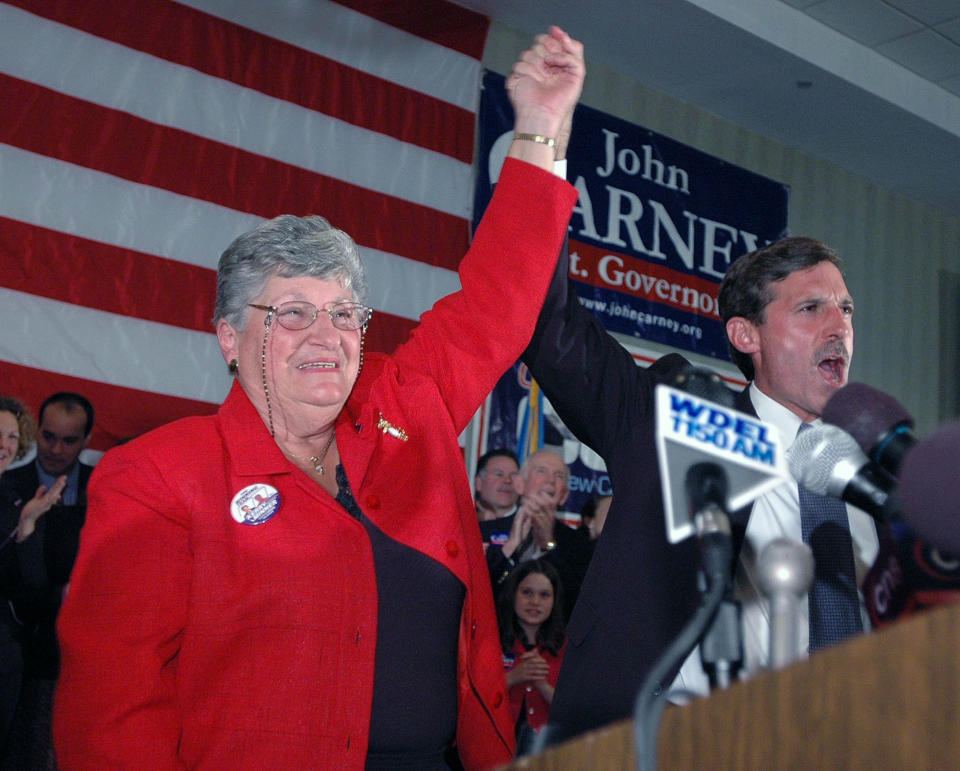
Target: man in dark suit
[788,319]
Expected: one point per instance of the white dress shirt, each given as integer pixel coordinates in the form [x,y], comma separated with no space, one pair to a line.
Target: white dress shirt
[776,514]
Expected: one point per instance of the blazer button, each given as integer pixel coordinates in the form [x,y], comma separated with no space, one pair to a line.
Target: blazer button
[373,501]
[452,549]
[497,700]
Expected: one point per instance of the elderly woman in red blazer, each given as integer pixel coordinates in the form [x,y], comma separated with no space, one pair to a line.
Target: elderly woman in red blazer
[298,581]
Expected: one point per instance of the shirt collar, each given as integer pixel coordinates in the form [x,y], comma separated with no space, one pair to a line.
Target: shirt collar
[770,411]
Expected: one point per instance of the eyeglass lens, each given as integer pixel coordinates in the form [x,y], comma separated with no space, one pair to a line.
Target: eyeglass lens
[298,314]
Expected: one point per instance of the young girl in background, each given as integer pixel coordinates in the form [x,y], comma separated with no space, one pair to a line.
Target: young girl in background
[533,640]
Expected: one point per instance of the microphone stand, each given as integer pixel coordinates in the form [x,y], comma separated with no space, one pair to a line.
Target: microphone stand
[713,529]
[721,650]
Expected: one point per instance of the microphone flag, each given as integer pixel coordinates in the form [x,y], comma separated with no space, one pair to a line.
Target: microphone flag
[690,430]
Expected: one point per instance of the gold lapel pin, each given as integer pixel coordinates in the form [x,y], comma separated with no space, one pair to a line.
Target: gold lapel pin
[388,428]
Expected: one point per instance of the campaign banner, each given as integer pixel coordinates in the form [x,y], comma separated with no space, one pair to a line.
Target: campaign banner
[655,229]
[656,226]
[512,416]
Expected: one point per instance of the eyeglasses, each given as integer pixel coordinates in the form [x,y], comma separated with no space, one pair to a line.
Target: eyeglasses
[297,314]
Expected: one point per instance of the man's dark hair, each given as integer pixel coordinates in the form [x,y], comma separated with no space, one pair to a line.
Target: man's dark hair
[501,452]
[71,401]
[746,288]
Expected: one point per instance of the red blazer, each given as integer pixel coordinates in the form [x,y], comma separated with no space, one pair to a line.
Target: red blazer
[190,639]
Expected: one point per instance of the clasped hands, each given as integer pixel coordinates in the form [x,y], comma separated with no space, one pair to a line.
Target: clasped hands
[536,514]
[531,667]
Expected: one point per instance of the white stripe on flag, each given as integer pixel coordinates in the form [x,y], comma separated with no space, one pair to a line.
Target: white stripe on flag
[405,287]
[55,336]
[72,199]
[114,76]
[101,207]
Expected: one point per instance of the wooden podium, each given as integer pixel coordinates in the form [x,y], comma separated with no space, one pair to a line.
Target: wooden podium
[888,700]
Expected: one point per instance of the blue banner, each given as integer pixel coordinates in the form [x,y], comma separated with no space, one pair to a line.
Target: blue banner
[511,420]
[657,224]
[655,229]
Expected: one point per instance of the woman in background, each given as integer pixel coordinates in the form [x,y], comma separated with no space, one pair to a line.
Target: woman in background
[17,521]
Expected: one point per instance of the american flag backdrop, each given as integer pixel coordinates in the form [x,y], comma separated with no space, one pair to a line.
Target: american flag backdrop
[139,137]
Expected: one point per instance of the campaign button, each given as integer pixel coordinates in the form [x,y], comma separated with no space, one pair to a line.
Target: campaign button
[255,504]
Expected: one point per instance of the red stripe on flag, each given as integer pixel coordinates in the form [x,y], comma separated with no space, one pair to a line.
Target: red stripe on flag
[225,50]
[435,20]
[96,137]
[387,331]
[123,412]
[97,275]
[120,413]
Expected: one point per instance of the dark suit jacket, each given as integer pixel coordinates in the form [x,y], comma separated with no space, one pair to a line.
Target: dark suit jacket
[639,590]
[11,633]
[45,562]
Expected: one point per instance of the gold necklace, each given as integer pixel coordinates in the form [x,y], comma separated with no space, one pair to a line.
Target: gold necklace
[317,460]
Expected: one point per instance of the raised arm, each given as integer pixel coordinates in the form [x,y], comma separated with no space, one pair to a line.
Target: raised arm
[544,88]
[590,379]
[466,342]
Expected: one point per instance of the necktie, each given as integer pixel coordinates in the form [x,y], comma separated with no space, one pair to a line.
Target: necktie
[834,605]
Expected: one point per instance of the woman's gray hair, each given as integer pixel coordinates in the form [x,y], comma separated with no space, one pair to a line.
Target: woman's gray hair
[286,246]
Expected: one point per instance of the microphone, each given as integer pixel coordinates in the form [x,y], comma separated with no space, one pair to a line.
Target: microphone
[721,649]
[928,493]
[691,428]
[706,485]
[785,573]
[705,383]
[878,422]
[890,584]
[914,568]
[827,460]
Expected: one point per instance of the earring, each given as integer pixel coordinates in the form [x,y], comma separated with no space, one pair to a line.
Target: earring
[233,366]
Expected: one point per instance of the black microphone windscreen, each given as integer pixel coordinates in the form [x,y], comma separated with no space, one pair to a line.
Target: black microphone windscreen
[929,498]
[705,383]
[706,483]
[865,413]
